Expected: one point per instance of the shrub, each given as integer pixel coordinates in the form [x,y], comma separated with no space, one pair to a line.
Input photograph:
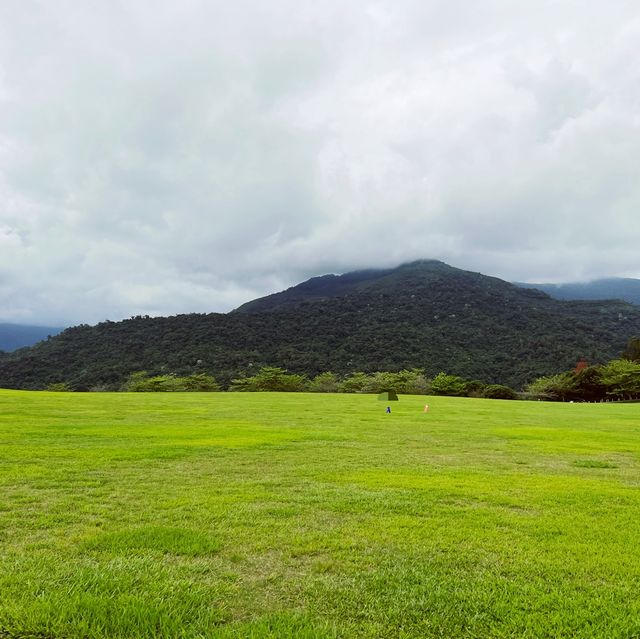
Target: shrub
[552,387]
[141,382]
[59,387]
[200,382]
[324,383]
[271,378]
[450,385]
[498,391]
[355,383]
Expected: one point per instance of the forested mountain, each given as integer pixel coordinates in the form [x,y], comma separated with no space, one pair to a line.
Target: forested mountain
[424,314]
[611,288]
[13,336]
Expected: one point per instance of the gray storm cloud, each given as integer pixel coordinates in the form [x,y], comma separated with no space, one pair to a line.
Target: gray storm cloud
[166,157]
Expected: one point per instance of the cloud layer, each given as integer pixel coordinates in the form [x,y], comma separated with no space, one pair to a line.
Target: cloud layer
[162,156]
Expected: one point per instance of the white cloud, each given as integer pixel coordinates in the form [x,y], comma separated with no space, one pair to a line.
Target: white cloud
[165,157]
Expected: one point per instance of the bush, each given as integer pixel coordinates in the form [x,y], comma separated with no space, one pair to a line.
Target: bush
[141,382]
[59,387]
[474,388]
[325,383]
[200,382]
[271,378]
[552,387]
[409,382]
[355,383]
[450,385]
[498,391]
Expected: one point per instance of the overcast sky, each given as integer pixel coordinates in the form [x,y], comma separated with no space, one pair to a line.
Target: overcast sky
[170,156]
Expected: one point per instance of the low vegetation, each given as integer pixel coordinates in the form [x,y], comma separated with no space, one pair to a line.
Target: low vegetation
[616,380]
[302,515]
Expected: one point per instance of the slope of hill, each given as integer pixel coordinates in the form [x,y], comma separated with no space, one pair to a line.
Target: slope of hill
[424,314]
[13,336]
[611,288]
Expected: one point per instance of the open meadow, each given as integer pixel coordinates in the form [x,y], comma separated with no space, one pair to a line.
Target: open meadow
[299,515]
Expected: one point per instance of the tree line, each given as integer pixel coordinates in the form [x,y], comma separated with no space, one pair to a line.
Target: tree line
[277,379]
[618,379]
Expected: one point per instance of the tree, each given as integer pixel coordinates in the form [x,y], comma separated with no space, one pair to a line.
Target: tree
[271,378]
[621,378]
[632,352]
[552,387]
[411,382]
[200,382]
[450,385]
[142,382]
[474,388]
[498,391]
[325,383]
[355,383]
[588,385]
[59,387]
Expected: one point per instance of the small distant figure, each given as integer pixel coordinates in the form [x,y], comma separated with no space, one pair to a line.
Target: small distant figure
[388,409]
[426,408]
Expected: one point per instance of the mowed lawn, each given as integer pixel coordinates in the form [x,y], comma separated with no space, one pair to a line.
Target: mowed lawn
[299,515]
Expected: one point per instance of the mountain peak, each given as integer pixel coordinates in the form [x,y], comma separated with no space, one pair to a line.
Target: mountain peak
[330,286]
[419,275]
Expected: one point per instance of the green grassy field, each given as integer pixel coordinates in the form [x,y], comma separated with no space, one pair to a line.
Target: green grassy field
[295,515]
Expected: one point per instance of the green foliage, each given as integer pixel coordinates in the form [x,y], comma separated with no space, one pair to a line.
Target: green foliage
[381,381]
[142,382]
[200,382]
[408,382]
[450,385]
[632,352]
[588,385]
[356,383]
[621,378]
[552,387]
[474,388]
[59,387]
[271,379]
[618,379]
[325,383]
[498,391]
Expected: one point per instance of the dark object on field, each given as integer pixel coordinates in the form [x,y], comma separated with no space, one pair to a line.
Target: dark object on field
[388,409]
[388,396]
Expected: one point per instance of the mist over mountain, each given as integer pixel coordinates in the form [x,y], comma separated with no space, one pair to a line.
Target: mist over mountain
[610,288]
[424,314]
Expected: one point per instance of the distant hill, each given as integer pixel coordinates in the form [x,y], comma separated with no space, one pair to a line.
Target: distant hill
[612,288]
[13,336]
[425,314]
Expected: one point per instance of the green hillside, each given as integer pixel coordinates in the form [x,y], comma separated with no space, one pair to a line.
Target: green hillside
[226,515]
[425,314]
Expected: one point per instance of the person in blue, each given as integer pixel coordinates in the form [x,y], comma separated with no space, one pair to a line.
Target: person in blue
[388,409]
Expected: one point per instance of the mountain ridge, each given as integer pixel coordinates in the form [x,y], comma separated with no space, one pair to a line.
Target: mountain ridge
[423,314]
[325,287]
